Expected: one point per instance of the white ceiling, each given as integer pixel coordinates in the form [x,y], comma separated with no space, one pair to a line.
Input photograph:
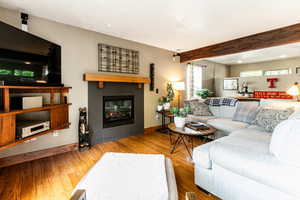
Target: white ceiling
[169,24]
[260,55]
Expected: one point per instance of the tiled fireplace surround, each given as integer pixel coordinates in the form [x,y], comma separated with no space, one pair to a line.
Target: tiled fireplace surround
[96,96]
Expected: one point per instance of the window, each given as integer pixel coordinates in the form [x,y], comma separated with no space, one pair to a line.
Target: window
[276,72]
[272,72]
[194,80]
[251,73]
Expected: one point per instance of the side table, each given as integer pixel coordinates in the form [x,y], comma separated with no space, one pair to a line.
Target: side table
[164,114]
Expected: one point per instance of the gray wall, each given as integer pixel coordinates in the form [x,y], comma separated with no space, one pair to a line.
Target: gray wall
[79,55]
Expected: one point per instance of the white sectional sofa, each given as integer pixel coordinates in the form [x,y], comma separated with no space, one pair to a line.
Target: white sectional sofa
[240,166]
[222,119]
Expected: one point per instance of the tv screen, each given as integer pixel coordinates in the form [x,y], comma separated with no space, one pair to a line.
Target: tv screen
[28,60]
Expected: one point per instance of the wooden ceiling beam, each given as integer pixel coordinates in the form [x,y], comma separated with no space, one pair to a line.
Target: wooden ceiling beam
[276,37]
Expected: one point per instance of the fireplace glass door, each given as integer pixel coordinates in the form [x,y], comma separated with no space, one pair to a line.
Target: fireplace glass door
[118,110]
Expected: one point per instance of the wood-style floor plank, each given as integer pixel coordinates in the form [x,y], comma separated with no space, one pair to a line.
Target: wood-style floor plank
[55,177]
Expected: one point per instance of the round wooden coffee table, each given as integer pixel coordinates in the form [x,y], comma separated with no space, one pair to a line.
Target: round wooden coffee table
[187,137]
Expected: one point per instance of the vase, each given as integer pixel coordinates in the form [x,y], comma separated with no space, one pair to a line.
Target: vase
[167,106]
[179,122]
[160,107]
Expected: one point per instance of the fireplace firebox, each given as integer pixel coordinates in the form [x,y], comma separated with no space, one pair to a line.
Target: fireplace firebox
[118,110]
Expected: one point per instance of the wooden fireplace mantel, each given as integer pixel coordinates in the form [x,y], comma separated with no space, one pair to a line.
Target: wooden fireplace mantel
[102,78]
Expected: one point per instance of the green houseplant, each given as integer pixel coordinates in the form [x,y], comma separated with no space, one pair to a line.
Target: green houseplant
[160,105]
[169,97]
[204,93]
[180,115]
[170,92]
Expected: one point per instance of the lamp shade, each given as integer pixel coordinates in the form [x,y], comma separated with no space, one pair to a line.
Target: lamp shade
[294,90]
[178,86]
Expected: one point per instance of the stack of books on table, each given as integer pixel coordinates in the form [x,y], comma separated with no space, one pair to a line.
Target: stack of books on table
[194,128]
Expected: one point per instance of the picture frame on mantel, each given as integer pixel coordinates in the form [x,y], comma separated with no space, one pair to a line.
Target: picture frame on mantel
[231,84]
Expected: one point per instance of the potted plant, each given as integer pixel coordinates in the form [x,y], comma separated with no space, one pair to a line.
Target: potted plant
[160,105]
[169,97]
[170,92]
[180,116]
[204,93]
[166,103]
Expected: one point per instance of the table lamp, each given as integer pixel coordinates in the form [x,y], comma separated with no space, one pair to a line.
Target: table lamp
[179,86]
[294,91]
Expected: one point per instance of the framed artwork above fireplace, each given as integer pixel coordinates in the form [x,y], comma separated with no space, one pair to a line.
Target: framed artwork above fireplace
[117,59]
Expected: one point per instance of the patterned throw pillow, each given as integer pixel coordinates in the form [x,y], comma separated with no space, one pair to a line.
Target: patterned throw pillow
[269,118]
[200,108]
[246,112]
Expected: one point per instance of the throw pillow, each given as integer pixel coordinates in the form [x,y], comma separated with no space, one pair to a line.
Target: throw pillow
[295,115]
[285,142]
[245,112]
[269,118]
[200,108]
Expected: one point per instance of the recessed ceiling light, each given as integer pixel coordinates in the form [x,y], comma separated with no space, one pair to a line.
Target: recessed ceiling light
[108,25]
[282,56]
[27,62]
[239,61]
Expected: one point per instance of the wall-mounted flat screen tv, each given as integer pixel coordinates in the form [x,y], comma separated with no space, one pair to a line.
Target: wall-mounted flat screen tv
[26,59]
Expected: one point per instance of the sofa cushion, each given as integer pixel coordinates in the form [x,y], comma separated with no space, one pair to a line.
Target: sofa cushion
[226,125]
[295,115]
[246,111]
[285,142]
[258,165]
[223,111]
[269,118]
[250,138]
[202,119]
[274,103]
[199,108]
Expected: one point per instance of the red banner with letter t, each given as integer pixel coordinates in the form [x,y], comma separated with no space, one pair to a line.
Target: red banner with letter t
[272,95]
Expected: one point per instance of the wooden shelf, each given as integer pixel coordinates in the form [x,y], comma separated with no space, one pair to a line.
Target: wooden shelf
[33,136]
[46,107]
[36,89]
[58,113]
[247,99]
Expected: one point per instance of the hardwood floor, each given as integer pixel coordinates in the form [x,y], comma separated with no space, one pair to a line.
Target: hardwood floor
[54,178]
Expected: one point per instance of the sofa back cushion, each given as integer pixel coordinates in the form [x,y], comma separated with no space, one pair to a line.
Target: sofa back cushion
[199,108]
[295,115]
[246,111]
[223,111]
[269,118]
[279,103]
[285,142]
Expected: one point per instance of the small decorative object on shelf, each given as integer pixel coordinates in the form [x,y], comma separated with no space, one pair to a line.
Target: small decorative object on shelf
[245,90]
[83,129]
[272,82]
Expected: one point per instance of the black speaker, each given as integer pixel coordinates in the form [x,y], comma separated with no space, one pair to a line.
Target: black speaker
[151,77]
